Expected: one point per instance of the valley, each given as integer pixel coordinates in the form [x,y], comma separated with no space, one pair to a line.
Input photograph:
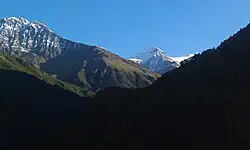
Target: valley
[58,94]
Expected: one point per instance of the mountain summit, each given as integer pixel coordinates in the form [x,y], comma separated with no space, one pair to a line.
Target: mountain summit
[18,35]
[148,53]
[157,60]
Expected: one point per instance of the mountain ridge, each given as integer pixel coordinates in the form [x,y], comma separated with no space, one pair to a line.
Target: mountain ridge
[90,67]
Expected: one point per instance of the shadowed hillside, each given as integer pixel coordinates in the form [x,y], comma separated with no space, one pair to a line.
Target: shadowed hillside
[33,111]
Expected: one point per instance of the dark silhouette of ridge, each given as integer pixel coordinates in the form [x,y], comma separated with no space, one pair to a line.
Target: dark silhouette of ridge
[202,105]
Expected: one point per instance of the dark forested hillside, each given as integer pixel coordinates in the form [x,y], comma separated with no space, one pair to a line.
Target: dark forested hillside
[32,111]
[204,104]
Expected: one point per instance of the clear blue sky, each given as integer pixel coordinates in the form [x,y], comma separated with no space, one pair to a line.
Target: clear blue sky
[126,27]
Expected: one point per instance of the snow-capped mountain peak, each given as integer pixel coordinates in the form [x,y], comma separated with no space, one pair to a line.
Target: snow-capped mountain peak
[15,22]
[148,53]
[156,50]
[156,60]
[18,34]
[17,19]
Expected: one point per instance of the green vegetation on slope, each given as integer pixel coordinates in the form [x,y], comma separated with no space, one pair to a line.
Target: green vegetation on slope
[13,63]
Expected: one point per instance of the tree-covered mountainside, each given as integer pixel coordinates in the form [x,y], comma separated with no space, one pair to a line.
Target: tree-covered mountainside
[8,62]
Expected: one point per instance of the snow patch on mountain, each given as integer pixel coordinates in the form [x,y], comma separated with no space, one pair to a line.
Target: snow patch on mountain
[182,58]
[136,60]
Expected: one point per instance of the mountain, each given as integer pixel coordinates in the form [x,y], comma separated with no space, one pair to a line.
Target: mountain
[204,104]
[86,66]
[19,35]
[156,60]
[96,68]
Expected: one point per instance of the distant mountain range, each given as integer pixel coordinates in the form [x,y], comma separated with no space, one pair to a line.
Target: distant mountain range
[157,60]
[86,66]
